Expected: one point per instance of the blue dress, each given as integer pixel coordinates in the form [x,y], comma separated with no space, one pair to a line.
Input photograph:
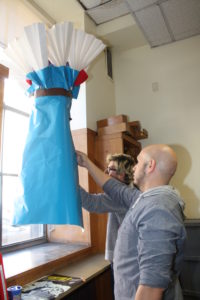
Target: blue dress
[49,173]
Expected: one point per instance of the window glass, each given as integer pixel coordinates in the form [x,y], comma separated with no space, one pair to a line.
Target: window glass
[15,234]
[15,96]
[14,135]
[16,110]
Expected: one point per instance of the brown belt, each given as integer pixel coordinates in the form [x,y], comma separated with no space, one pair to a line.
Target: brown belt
[53,92]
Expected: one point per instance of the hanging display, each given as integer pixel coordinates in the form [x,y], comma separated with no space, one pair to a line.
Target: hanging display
[54,62]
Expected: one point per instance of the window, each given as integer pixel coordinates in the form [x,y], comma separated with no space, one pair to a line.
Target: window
[66,241]
[15,116]
[109,62]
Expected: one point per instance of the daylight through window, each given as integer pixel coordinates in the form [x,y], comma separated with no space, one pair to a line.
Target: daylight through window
[15,117]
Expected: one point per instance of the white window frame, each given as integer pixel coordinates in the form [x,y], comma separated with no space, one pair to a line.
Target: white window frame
[31,242]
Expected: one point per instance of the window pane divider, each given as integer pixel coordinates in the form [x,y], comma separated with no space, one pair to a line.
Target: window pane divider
[8,174]
[6,107]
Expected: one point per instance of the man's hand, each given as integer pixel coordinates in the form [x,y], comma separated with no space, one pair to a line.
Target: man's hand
[148,293]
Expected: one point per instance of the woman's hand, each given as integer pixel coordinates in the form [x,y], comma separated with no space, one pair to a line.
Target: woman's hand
[97,174]
[82,159]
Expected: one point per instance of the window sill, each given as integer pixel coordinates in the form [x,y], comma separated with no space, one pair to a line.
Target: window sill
[24,266]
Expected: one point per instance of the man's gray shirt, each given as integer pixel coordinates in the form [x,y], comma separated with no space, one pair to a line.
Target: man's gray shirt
[115,219]
[99,203]
[149,247]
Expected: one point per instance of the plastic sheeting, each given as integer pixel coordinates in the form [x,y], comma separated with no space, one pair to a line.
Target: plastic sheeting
[49,172]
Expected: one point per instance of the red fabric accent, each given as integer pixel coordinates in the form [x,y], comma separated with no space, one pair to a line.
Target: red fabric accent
[3,286]
[29,81]
[82,76]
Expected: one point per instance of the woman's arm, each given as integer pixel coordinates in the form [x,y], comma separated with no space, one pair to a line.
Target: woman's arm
[121,197]
[100,203]
[97,174]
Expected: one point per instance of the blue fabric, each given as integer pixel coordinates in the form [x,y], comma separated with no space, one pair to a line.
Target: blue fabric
[49,172]
[54,77]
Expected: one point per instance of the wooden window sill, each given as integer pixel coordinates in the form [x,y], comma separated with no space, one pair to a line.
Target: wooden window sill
[24,266]
[88,269]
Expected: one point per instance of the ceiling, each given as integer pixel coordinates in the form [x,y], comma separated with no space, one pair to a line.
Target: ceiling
[156,22]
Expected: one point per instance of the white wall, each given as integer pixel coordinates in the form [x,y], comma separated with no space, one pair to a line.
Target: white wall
[100,97]
[14,15]
[78,110]
[171,113]
[64,10]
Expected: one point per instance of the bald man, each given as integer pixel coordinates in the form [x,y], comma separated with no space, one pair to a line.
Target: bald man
[149,248]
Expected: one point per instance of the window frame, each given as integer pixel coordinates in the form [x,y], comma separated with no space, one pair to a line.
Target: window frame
[4,73]
[90,243]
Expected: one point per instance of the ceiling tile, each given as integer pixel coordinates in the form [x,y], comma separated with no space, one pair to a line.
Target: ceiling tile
[108,11]
[153,25]
[139,4]
[160,21]
[183,17]
[92,3]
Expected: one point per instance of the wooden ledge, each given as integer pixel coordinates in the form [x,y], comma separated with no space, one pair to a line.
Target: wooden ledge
[4,71]
[86,268]
[24,266]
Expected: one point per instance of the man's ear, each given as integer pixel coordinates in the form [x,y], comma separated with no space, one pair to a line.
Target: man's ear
[151,165]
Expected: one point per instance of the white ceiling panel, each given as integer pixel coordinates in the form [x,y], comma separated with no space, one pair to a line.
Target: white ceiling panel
[160,21]
[93,3]
[153,25]
[183,17]
[139,4]
[108,11]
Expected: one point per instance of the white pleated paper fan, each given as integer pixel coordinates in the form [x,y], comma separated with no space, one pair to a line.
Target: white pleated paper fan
[15,57]
[84,48]
[59,43]
[93,52]
[35,45]
[76,49]
[65,44]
